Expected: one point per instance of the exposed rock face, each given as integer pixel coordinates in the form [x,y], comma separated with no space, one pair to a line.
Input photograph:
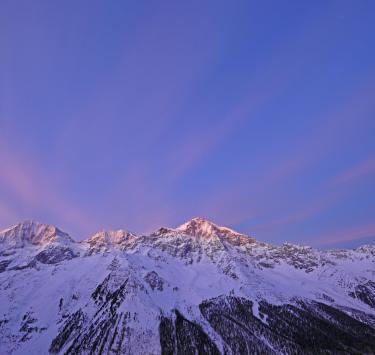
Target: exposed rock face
[4,264]
[365,293]
[196,289]
[154,280]
[55,254]
[72,325]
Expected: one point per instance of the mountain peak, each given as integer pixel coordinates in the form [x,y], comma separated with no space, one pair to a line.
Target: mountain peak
[197,222]
[32,232]
[105,240]
[201,227]
[110,236]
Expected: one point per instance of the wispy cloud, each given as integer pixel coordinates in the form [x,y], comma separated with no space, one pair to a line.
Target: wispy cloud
[33,187]
[275,76]
[347,234]
[7,214]
[326,197]
[357,171]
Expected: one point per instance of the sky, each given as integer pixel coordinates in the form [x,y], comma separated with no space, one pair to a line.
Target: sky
[257,115]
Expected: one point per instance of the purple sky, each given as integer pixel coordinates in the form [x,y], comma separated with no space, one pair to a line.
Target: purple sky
[258,115]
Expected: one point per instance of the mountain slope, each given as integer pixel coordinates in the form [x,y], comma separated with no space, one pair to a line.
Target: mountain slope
[199,288]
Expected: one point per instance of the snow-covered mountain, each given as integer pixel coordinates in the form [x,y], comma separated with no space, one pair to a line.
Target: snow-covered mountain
[196,289]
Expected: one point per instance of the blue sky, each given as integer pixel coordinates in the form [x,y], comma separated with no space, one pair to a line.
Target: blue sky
[258,115]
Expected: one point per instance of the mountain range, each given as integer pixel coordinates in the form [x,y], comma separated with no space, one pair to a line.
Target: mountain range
[196,289]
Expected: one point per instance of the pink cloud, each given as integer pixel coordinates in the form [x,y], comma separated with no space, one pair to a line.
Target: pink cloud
[355,172]
[14,176]
[35,189]
[344,235]
[7,215]
[302,213]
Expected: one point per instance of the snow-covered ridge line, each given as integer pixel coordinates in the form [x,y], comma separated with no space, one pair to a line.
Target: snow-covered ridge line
[31,232]
[192,241]
[195,227]
[171,292]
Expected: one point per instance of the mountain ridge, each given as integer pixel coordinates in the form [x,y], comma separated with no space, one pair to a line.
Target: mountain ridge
[109,234]
[198,288]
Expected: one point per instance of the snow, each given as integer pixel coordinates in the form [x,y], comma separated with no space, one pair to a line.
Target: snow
[192,267]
